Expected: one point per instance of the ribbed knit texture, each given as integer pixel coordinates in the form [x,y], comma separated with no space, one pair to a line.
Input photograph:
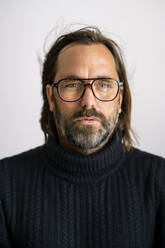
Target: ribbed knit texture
[54,199]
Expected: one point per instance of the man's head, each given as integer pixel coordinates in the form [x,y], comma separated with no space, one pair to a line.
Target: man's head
[86,121]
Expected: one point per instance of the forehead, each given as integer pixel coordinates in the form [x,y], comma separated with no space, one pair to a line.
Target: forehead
[85,61]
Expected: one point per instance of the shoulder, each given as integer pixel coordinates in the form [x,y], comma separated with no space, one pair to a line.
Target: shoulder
[24,157]
[145,158]
[15,170]
[144,165]
[22,162]
[148,165]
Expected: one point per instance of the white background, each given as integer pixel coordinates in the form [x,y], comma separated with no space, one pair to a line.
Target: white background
[137,25]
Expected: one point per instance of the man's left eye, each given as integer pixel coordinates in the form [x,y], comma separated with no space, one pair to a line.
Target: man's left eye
[104,85]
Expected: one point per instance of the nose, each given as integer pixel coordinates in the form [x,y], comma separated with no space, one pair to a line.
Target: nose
[88,100]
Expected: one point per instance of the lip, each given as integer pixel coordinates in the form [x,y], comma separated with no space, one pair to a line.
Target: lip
[88,120]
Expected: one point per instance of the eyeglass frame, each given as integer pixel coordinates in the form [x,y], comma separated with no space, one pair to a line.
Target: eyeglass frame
[85,85]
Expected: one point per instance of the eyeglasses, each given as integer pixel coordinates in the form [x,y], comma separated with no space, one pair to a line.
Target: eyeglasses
[71,90]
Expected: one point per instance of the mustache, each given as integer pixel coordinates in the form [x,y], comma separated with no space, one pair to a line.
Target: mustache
[87,113]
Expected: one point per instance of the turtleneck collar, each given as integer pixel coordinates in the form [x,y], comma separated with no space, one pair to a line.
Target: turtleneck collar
[85,168]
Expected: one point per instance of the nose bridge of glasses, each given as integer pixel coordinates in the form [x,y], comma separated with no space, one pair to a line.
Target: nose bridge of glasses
[88,89]
[90,84]
[88,98]
[86,85]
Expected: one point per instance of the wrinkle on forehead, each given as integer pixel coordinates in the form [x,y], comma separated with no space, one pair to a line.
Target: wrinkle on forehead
[86,61]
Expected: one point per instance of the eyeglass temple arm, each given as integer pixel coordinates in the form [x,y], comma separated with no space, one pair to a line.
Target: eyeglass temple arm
[54,84]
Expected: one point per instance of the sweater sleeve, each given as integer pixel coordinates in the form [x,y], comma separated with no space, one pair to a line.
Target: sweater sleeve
[5,241]
[160,220]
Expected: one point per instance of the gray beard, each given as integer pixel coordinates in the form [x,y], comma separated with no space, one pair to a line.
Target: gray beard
[85,137]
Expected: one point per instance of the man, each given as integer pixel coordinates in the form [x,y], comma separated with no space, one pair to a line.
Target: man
[87,186]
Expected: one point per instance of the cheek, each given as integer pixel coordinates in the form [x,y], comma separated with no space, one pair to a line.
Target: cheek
[67,108]
[108,108]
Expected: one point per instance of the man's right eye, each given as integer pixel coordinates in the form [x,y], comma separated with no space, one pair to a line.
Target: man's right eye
[72,85]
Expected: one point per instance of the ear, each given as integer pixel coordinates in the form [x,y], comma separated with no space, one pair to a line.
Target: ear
[49,94]
[121,92]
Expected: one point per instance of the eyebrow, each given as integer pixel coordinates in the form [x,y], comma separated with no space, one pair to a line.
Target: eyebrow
[73,76]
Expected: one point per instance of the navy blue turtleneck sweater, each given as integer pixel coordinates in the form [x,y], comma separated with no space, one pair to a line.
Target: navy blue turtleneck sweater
[50,198]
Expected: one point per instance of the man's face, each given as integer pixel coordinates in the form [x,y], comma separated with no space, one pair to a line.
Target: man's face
[88,122]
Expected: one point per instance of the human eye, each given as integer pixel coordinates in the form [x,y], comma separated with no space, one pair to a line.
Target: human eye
[71,84]
[103,84]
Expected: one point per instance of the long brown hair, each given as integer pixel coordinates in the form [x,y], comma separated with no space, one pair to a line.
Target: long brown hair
[85,36]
